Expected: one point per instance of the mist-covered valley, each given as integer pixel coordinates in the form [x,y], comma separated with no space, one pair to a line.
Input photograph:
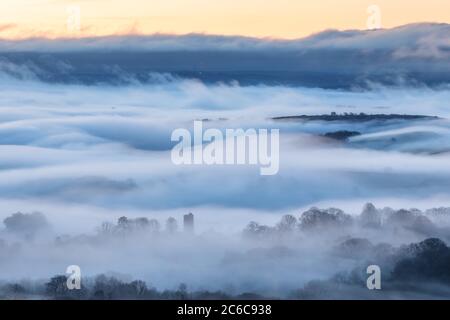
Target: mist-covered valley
[319,254]
[87,179]
[110,157]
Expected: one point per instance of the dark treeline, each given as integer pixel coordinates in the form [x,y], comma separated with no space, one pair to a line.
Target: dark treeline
[418,269]
[410,269]
[425,223]
[105,287]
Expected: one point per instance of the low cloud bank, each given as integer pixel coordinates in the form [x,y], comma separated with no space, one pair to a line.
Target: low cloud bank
[416,55]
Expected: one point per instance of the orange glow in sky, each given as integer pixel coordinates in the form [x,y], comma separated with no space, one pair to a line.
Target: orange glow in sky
[259,18]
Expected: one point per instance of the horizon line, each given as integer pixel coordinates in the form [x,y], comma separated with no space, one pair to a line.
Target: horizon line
[206,34]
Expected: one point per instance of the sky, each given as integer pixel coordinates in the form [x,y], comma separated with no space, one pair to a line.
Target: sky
[257,18]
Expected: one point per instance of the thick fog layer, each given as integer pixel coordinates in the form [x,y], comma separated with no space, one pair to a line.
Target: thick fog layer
[110,147]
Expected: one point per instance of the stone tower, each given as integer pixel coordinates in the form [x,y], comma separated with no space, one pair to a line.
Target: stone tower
[188,223]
